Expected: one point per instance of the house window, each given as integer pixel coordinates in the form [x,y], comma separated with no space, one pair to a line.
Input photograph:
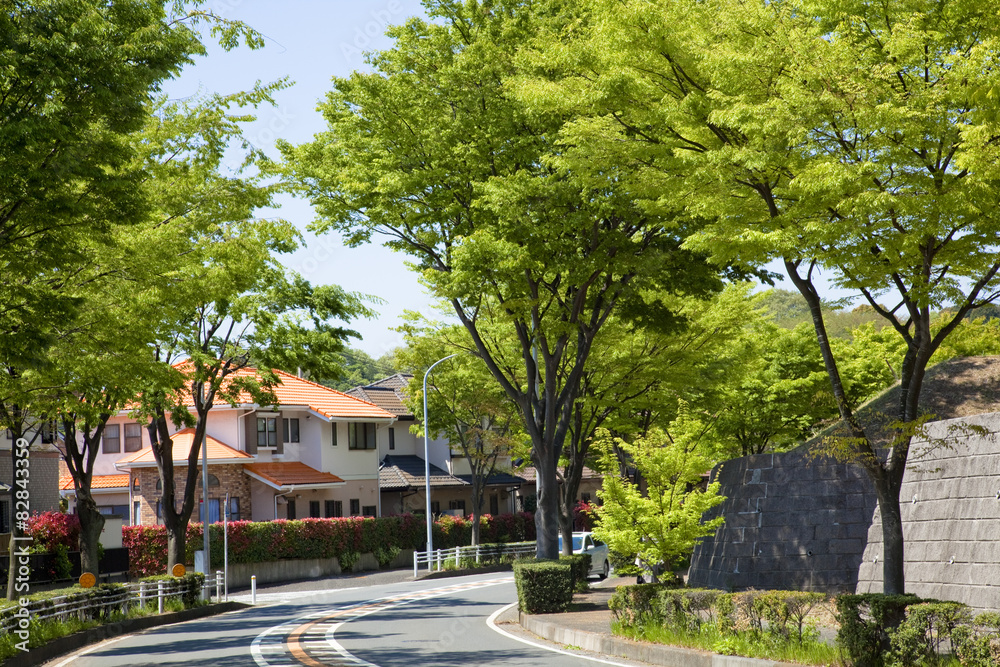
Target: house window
[435,507]
[361,436]
[111,443]
[456,505]
[136,513]
[267,432]
[369,510]
[135,485]
[291,510]
[334,508]
[585,497]
[392,438]
[4,516]
[212,480]
[290,430]
[494,504]
[133,437]
[355,506]
[314,509]
[334,425]
[234,509]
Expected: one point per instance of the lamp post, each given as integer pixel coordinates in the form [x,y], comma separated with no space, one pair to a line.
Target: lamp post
[427,463]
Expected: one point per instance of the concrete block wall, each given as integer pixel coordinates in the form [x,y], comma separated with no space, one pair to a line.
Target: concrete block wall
[950,506]
[792,522]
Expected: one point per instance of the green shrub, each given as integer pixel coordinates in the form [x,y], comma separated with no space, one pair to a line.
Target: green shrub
[865,622]
[687,609]
[918,640]
[637,605]
[977,644]
[580,567]
[543,587]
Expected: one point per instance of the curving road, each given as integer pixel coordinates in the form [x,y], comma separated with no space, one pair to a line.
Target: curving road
[442,623]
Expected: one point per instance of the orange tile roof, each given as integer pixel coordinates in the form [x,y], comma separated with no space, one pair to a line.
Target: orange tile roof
[183,439]
[290,473]
[292,390]
[96,482]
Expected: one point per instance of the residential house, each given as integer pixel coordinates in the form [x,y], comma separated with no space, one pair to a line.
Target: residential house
[402,476]
[315,454]
[43,468]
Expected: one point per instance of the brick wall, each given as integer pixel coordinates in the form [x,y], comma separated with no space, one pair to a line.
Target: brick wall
[232,479]
[792,522]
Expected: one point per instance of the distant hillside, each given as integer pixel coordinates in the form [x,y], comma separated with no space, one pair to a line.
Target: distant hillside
[959,387]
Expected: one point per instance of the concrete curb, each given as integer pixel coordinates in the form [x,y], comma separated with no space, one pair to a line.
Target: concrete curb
[655,654]
[58,647]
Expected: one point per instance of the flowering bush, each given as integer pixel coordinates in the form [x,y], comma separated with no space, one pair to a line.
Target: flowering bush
[584,515]
[49,530]
[346,538]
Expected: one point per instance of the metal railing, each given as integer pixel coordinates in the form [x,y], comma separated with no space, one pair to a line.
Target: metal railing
[468,556]
[83,605]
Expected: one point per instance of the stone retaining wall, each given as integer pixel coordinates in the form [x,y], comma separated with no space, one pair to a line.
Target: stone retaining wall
[950,506]
[792,522]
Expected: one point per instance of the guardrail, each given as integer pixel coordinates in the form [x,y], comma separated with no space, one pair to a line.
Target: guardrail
[483,553]
[101,603]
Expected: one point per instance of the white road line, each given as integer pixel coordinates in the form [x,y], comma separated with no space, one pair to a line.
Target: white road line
[352,612]
[491,621]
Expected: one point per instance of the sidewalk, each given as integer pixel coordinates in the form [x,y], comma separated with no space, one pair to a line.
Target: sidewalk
[588,626]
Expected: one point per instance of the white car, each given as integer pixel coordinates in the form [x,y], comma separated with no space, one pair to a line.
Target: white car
[586,543]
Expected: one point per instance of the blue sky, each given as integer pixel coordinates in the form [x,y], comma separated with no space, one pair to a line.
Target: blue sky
[311,41]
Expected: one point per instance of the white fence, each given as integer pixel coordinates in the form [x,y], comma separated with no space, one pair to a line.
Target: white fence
[101,604]
[483,553]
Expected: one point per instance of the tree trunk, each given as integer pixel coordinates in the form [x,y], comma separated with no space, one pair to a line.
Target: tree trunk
[547,509]
[176,542]
[893,580]
[91,525]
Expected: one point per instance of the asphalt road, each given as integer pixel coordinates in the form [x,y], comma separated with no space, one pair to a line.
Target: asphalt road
[377,622]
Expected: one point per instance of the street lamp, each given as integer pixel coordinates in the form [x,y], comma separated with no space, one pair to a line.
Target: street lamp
[427,463]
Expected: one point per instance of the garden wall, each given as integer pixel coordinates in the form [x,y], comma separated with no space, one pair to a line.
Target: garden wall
[792,522]
[950,505]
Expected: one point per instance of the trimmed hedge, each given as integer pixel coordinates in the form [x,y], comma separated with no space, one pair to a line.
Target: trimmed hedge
[543,587]
[345,539]
[580,567]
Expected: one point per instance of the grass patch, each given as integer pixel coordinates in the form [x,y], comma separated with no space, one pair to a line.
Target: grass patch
[44,631]
[708,638]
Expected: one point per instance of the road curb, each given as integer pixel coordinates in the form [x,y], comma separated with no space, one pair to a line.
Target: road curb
[59,647]
[656,654]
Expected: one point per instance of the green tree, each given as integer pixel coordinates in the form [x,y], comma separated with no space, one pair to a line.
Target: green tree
[224,300]
[660,523]
[854,138]
[431,151]
[464,402]
[359,369]
[775,391]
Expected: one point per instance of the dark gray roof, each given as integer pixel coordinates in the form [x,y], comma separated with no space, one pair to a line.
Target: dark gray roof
[407,471]
[498,479]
